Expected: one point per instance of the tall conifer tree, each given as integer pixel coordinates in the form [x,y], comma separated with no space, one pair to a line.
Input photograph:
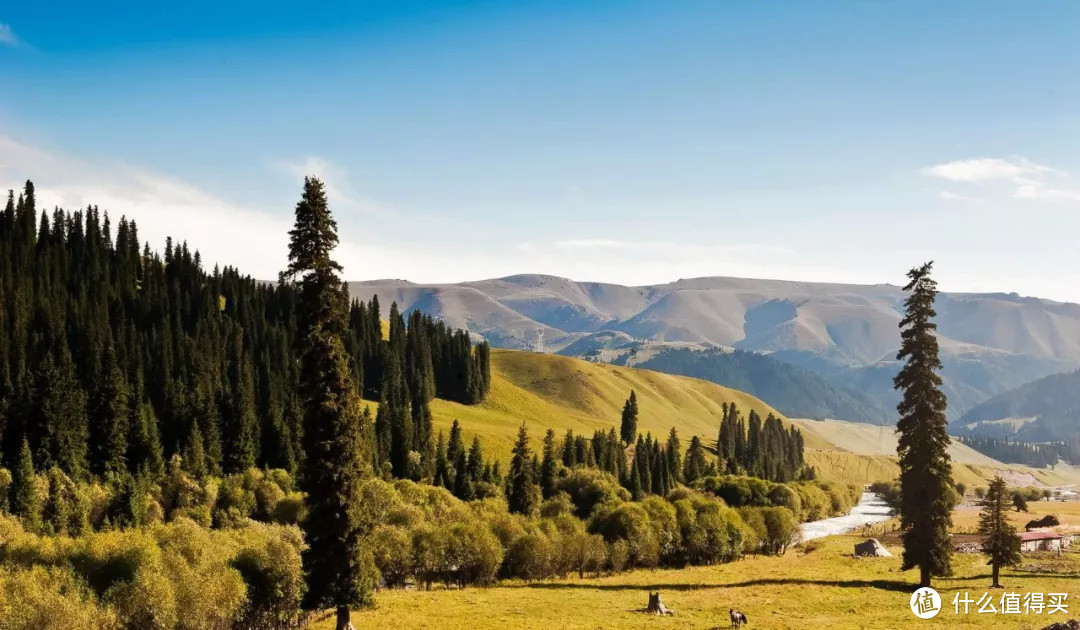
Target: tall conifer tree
[335,465]
[628,426]
[925,468]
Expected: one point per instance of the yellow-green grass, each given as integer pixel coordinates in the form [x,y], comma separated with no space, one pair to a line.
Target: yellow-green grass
[966,517]
[825,588]
[550,391]
[863,453]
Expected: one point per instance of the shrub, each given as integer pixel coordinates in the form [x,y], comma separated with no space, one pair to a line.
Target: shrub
[781,530]
[391,548]
[473,554]
[629,521]
[49,598]
[589,488]
[271,570]
[530,557]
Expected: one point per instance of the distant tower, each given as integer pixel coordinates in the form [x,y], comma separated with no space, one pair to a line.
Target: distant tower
[539,339]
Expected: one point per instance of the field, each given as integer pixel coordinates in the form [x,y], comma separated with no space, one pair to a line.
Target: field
[863,453]
[966,517]
[825,588]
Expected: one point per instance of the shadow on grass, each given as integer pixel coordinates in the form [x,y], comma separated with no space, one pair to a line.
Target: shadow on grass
[887,585]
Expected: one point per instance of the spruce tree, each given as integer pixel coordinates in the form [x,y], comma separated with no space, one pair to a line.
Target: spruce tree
[628,427]
[455,447]
[111,418]
[25,502]
[926,500]
[548,465]
[476,461]
[674,457]
[695,466]
[396,397]
[522,493]
[442,476]
[335,466]
[241,437]
[1000,541]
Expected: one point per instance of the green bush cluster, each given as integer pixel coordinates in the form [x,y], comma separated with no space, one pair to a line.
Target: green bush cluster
[806,500]
[175,576]
[52,503]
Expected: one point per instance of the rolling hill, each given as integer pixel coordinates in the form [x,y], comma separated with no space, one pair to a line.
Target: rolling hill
[847,334]
[792,390]
[550,391]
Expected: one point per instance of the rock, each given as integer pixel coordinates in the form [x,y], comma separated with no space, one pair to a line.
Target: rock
[657,607]
[872,547]
[1071,624]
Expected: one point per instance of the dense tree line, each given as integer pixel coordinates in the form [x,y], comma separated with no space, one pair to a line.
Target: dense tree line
[113,358]
[1018,452]
[759,449]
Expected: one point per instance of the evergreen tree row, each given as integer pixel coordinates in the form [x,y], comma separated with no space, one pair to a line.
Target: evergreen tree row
[1018,452]
[759,449]
[114,357]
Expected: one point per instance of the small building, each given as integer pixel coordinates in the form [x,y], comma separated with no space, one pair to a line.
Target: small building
[1040,541]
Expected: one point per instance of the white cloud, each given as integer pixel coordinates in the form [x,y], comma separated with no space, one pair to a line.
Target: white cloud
[977,170]
[948,195]
[1040,192]
[8,37]
[1021,177]
[340,192]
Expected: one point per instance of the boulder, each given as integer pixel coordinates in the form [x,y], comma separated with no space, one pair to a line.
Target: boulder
[1071,624]
[873,548]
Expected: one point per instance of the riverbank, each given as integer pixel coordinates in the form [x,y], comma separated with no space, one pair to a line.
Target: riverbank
[870,509]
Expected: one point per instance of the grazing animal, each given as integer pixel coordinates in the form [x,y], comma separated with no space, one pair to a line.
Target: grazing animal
[737,618]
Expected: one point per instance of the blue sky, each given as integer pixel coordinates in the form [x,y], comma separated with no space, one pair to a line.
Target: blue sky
[632,142]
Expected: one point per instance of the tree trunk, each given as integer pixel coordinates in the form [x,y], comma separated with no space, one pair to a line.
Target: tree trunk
[996,572]
[343,622]
[924,576]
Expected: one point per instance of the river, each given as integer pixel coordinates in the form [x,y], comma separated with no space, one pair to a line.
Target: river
[871,509]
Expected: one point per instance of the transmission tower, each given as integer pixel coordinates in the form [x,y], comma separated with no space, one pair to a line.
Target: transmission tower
[539,339]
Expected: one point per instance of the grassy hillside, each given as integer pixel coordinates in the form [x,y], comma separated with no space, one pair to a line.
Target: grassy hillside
[791,389]
[550,391]
[862,453]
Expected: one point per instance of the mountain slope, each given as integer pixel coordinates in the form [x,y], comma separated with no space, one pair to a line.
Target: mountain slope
[548,391]
[990,341]
[860,453]
[793,391]
[1042,410]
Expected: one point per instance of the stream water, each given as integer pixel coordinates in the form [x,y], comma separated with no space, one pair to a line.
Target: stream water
[871,509]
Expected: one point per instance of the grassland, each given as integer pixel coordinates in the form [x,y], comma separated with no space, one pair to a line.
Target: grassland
[966,517]
[549,391]
[863,453]
[825,588]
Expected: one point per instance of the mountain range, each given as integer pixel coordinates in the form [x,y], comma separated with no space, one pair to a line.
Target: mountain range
[847,334]
[1044,410]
